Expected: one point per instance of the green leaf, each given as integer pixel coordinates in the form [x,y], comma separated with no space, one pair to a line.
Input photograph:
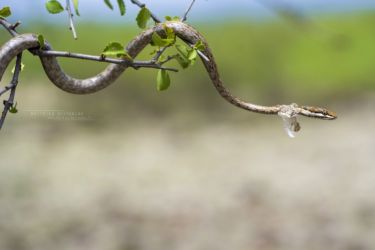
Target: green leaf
[115,49]
[162,80]
[184,63]
[200,46]
[175,18]
[121,6]
[75,3]
[14,68]
[5,12]
[193,55]
[162,58]
[158,41]
[41,41]
[54,7]
[153,52]
[187,54]
[170,32]
[13,109]
[109,4]
[142,18]
[183,51]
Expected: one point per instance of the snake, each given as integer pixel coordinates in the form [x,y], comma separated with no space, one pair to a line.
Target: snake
[185,32]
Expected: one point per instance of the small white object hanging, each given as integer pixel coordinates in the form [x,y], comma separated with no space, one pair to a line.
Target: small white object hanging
[289,117]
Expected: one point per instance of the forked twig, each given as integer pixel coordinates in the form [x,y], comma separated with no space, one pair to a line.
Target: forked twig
[9,103]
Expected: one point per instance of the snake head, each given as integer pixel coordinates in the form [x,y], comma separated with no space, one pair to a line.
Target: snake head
[290,112]
[316,112]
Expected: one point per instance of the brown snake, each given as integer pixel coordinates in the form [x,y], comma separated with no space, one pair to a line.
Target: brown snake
[185,32]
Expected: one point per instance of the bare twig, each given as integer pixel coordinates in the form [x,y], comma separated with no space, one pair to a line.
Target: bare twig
[9,103]
[141,5]
[15,25]
[11,28]
[187,11]
[71,22]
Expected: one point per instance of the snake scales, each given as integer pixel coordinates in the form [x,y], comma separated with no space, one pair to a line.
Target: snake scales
[185,32]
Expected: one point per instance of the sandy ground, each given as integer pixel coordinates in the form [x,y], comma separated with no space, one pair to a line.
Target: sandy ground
[161,184]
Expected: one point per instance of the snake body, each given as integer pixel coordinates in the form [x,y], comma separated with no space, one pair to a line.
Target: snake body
[90,85]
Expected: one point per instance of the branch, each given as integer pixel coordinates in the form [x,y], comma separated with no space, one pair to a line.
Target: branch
[11,28]
[187,11]
[158,54]
[9,103]
[168,59]
[126,62]
[70,14]
[6,89]
[141,5]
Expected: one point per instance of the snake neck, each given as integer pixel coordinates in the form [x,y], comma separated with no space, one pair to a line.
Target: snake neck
[192,36]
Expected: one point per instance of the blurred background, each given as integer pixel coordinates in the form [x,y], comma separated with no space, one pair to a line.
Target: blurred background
[130,168]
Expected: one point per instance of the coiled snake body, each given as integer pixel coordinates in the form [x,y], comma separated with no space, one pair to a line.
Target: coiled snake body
[185,32]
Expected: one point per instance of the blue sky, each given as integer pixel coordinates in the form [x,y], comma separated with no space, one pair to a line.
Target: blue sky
[203,10]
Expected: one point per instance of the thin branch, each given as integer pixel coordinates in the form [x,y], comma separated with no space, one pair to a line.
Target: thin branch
[168,59]
[70,14]
[11,28]
[126,62]
[141,5]
[187,11]
[15,25]
[158,54]
[5,89]
[9,103]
